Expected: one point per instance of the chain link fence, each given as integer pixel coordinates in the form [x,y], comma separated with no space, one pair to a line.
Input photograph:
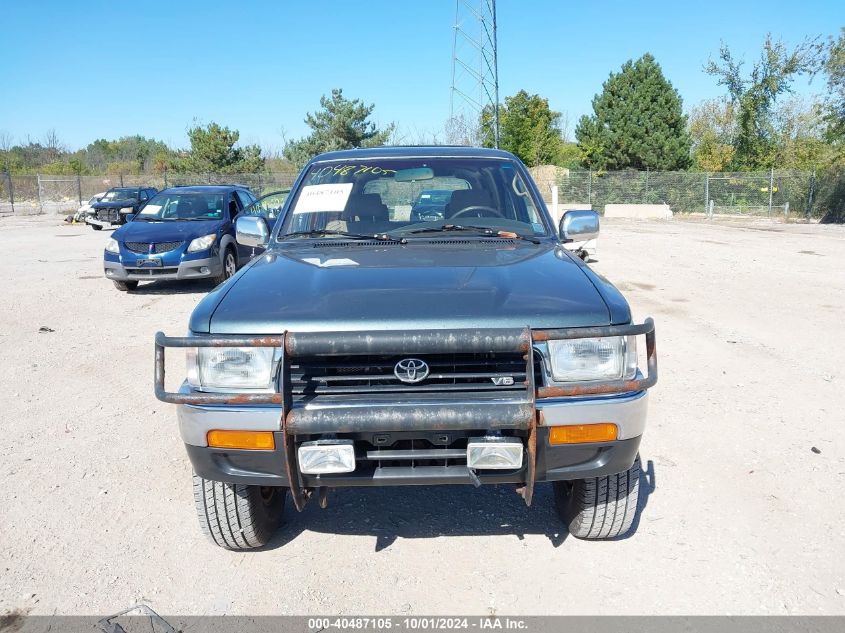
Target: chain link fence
[35,194]
[774,193]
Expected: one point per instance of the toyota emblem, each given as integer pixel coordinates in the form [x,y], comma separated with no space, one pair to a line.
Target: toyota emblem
[411,370]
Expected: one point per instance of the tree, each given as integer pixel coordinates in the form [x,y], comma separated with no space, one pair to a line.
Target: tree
[528,128]
[340,124]
[712,126]
[834,67]
[754,97]
[132,153]
[637,122]
[213,149]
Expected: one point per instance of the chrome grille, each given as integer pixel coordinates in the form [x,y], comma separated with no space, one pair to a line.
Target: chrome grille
[374,374]
[144,247]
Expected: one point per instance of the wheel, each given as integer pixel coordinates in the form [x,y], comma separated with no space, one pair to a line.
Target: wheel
[96,227]
[599,507]
[478,211]
[230,267]
[125,285]
[236,516]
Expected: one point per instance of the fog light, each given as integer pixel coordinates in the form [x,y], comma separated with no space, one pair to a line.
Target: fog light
[204,270]
[326,456]
[494,453]
[109,272]
[582,433]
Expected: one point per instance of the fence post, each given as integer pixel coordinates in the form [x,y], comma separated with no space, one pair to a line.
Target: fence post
[810,194]
[40,203]
[771,188]
[590,189]
[165,176]
[707,205]
[121,180]
[260,190]
[710,209]
[79,187]
[11,190]
[786,209]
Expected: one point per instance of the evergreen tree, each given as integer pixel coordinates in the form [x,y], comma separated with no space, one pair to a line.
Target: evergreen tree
[637,122]
[213,149]
[528,128]
[341,124]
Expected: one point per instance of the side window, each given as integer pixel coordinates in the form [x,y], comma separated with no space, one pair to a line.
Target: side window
[245,198]
[233,207]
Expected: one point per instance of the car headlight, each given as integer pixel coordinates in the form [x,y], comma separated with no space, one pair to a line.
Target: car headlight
[231,367]
[584,359]
[127,210]
[112,246]
[202,243]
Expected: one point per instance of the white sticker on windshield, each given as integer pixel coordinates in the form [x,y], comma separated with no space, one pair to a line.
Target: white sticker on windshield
[152,209]
[314,198]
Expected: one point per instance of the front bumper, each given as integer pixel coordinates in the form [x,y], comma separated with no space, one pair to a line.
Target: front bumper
[554,463]
[185,269]
[525,412]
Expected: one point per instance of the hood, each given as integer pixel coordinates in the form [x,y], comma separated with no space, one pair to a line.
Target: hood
[413,286]
[144,231]
[115,204]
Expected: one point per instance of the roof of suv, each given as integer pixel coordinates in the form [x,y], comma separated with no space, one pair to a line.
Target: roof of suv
[412,151]
[203,188]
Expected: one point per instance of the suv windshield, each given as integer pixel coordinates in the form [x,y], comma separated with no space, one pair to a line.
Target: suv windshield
[406,197]
[120,194]
[184,206]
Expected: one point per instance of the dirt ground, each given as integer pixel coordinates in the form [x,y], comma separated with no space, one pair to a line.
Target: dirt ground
[743,511]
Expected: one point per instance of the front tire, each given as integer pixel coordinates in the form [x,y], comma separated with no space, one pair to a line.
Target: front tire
[230,267]
[123,286]
[599,507]
[236,516]
[96,227]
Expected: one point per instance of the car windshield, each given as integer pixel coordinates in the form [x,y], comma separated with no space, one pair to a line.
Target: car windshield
[120,194]
[184,206]
[412,196]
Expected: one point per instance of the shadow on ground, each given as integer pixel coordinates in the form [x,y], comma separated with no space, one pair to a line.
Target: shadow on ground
[412,512]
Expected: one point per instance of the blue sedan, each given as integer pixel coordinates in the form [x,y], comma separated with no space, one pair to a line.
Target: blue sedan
[181,233]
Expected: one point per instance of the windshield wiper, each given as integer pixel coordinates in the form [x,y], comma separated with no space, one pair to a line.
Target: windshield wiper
[381,237]
[484,230]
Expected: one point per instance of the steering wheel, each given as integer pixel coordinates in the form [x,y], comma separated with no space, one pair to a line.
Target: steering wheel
[483,210]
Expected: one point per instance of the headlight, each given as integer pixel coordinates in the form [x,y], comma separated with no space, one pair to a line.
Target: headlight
[112,246]
[231,367]
[127,210]
[202,243]
[604,358]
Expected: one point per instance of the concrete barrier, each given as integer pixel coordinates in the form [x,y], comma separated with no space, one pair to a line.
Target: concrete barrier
[651,211]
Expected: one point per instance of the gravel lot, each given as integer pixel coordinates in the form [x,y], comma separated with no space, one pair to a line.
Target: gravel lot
[745,454]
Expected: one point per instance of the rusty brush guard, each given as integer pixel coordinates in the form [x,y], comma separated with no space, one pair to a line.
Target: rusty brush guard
[517,412]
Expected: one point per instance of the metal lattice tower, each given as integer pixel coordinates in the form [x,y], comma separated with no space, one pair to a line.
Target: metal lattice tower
[475,73]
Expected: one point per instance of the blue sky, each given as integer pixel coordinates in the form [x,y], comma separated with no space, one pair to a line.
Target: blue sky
[108,69]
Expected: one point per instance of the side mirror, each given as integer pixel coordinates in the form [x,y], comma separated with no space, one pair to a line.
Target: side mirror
[252,230]
[579,226]
[130,217]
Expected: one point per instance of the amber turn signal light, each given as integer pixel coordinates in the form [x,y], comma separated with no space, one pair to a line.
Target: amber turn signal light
[254,440]
[582,433]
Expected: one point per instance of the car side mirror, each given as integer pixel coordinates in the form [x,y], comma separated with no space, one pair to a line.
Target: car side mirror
[130,217]
[252,230]
[579,226]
